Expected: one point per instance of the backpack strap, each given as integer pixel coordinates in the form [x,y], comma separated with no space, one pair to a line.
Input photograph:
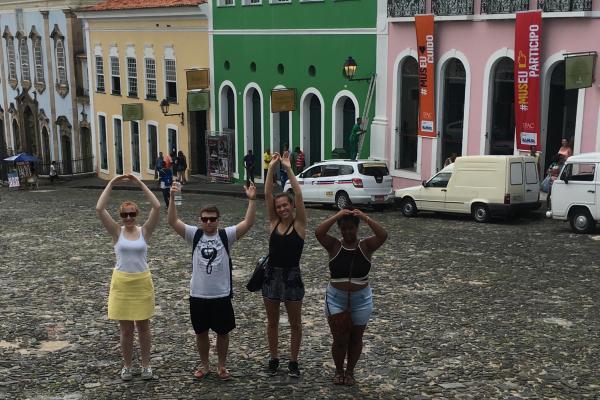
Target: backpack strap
[225,240]
[197,238]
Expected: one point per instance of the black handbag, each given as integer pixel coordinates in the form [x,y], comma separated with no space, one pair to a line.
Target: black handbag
[258,276]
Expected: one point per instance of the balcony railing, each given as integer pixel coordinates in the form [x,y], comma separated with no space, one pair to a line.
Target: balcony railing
[564,5]
[452,7]
[405,8]
[78,166]
[503,6]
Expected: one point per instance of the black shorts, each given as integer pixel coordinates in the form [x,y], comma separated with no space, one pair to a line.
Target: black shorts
[215,314]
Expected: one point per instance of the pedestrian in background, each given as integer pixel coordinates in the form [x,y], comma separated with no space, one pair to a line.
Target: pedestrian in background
[283,280]
[266,161]
[53,172]
[249,166]
[158,164]
[354,138]
[211,285]
[131,296]
[300,162]
[450,160]
[166,180]
[553,171]
[566,149]
[181,167]
[348,288]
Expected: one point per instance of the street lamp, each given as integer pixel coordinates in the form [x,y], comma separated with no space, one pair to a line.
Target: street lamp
[350,67]
[164,107]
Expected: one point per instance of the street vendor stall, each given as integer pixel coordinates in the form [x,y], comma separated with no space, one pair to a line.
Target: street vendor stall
[21,169]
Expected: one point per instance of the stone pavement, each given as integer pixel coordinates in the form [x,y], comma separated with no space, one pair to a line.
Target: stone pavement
[506,310]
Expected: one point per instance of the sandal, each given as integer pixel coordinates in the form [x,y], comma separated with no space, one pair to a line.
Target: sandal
[349,380]
[200,374]
[339,378]
[224,374]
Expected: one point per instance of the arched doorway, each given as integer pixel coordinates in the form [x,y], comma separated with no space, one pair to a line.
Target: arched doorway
[229,125]
[67,158]
[562,112]
[86,149]
[408,115]
[16,137]
[502,123]
[45,146]
[315,122]
[348,121]
[281,131]
[453,109]
[253,127]
[30,136]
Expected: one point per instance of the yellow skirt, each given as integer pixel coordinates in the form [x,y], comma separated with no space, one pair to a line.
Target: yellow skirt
[131,296]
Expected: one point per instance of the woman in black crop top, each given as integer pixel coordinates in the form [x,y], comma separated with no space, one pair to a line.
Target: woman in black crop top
[283,282]
[349,266]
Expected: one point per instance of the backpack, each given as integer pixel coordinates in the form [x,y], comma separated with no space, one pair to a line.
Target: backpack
[225,240]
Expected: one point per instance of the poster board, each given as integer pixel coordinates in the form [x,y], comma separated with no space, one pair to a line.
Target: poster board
[283,100]
[13,180]
[579,70]
[219,157]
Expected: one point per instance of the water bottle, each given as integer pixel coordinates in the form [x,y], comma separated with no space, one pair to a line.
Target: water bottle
[178,197]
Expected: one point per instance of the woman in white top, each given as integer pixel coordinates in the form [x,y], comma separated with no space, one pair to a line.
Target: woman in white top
[131,297]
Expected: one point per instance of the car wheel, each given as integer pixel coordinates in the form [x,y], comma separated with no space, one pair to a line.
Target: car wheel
[481,213]
[408,208]
[581,221]
[342,200]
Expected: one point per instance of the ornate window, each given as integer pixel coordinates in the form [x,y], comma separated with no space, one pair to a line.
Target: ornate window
[38,61]
[11,58]
[62,83]
[24,56]
[503,6]
[565,5]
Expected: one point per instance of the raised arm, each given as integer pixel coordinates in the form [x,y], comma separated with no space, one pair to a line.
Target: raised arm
[374,242]
[245,225]
[329,242]
[298,200]
[150,224]
[269,188]
[112,227]
[175,222]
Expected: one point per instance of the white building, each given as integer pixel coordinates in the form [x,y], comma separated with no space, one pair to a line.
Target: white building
[44,103]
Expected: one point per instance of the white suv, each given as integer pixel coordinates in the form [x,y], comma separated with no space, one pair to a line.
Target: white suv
[346,182]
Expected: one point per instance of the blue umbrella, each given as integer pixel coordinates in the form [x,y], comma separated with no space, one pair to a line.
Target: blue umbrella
[23,157]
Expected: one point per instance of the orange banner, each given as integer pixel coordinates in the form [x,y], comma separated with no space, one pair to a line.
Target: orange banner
[424,26]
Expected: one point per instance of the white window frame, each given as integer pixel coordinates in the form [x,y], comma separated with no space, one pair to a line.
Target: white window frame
[61,62]
[132,77]
[113,75]
[100,73]
[280,1]
[107,170]
[152,157]
[176,129]
[169,55]
[147,79]
[225,3]
[114,137]
[251,2]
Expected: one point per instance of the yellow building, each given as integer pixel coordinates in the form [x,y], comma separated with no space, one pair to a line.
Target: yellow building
[139,52]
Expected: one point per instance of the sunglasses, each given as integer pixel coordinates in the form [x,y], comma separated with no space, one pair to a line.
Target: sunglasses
[207,219]
[131,214]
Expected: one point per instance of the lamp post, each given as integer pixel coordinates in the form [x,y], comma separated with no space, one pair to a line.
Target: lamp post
[164,107]
[350,67]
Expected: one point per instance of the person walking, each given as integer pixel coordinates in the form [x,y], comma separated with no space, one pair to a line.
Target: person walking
[283,280]
[349,267]
[354,138]
[53,172]
[181,167]
[553,171]
[131,295]
[266,161]
[165,176]
[249,166]
[158,164]
[450,160]
[211,285]
[300,161]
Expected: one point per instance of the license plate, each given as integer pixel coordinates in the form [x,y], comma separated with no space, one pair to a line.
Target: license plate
[379,198]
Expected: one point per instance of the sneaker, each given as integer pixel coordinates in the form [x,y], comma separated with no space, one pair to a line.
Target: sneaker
[293,369]
[273,366]
[147,373]
[126,374]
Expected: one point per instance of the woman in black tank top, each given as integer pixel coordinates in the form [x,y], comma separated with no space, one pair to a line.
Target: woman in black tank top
[283,281]
[349,265]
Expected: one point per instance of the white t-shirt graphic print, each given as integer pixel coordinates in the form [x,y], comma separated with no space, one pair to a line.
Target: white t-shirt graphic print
[210,275]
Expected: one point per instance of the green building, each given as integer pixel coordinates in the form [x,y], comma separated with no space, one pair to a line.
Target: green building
[262,46]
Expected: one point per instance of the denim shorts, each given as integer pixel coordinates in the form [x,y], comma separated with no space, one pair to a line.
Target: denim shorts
[361,303]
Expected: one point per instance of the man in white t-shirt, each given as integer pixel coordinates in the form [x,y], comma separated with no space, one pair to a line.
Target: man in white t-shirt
[211,285]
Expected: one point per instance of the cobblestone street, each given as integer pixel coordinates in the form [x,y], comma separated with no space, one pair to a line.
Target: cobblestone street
[462,310]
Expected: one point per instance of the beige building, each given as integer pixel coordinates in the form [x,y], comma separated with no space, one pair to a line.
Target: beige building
[139,54]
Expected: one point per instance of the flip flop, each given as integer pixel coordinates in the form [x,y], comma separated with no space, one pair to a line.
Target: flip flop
[201,374]
[339,378]
[224,375]
[349,380]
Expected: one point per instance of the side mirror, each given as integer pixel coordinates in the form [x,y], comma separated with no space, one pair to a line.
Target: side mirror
[566,180]
[424,183]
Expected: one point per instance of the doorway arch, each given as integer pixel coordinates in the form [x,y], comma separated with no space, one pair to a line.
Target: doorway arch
[312,125]
[345,112]
[67,158]
[501,129]
[30,136]
[253,125]
[46,146]
[454,83]
[228,113]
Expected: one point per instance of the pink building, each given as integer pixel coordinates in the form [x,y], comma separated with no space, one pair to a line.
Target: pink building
[474,45]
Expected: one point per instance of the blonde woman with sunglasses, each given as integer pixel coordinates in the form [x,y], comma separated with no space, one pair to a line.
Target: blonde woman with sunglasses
[131,296]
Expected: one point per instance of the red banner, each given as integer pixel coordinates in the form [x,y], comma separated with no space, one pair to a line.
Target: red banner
[528,46]
[424,27]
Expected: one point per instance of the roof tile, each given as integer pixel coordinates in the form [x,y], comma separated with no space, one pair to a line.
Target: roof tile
[108,5]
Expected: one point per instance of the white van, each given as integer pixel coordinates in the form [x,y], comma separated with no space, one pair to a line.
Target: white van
[478,185]
[575,193]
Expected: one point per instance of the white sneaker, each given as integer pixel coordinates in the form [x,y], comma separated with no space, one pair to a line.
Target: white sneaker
[126,374]
[147,373]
